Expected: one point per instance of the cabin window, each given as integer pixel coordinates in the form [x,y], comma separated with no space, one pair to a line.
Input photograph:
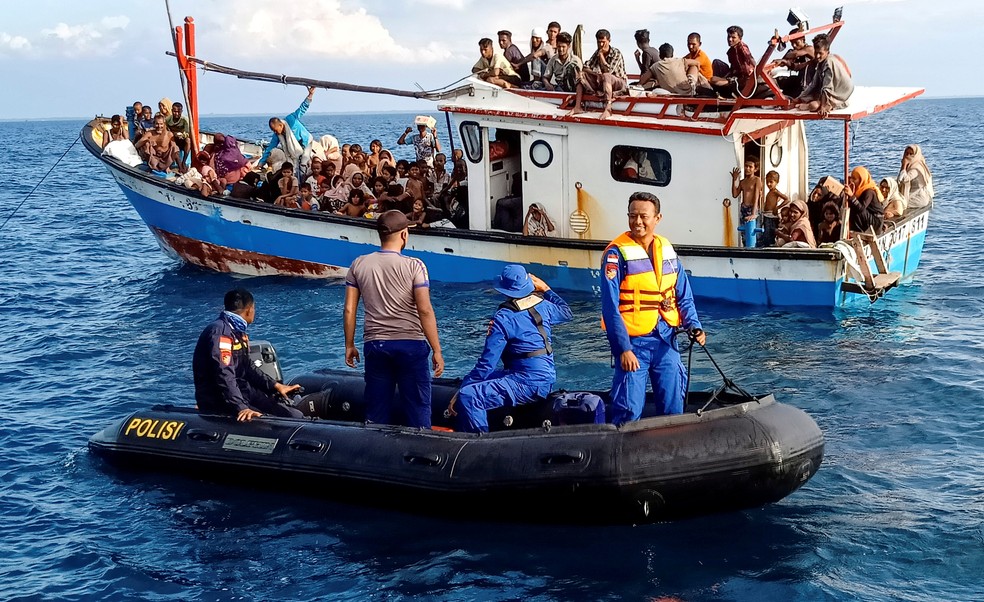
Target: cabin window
[638,165]
[541,154]
[471,140]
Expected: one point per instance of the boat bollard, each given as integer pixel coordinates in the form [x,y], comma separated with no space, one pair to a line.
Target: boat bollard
[750,232]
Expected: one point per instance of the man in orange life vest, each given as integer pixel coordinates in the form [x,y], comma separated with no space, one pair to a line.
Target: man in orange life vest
[645,296]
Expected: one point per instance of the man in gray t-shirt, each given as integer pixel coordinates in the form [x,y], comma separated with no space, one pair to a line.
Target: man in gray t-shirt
[399,325]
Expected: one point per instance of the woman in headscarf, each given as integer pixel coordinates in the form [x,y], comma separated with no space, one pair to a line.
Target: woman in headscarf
[164,108]
[865,201]
[290,135]
[332,152]
[800,231]
[230,164]
[894,201]
[385,158]
[915,179]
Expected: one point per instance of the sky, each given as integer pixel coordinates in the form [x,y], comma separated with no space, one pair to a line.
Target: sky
[78,59]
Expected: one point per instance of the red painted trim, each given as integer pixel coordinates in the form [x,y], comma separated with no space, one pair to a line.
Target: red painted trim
[594,121]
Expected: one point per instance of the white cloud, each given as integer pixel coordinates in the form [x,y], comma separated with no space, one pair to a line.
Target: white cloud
[316,29]
[101,38]
[13,44]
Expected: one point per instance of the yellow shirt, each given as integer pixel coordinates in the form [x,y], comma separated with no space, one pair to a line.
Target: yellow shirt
[498,62]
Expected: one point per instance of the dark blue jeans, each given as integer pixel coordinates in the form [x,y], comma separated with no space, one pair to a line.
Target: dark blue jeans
[404,364]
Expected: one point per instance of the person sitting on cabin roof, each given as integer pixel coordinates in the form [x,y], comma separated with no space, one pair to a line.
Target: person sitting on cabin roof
[288,187]
[749,189]
[564,68]
[603,74]
[553,30]
[801,64]
[645,55]
[774,200]
[513,54]
[179,126]
[540,54]
[519,334]
[865,201]
[730,80]
[830,227]
[157,147]
[290,135]
[494,68]
[425,143]
[696,53]
[676,76]
[831,86]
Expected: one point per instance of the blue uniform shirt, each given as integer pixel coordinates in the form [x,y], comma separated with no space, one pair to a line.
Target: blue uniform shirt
[222,371]
[513,333]
[618,336]
[296,128]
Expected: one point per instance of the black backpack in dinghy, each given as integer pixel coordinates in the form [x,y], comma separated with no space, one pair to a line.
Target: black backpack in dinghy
[727,451]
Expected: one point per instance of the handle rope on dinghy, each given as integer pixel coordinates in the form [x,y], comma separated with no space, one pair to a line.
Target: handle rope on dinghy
[728,385]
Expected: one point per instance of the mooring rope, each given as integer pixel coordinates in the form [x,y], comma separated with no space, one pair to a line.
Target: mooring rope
[41,181]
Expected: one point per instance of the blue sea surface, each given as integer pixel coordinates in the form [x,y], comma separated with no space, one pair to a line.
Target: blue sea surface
[96,322]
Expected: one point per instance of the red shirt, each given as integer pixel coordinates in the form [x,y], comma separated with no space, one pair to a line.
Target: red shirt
[742,63]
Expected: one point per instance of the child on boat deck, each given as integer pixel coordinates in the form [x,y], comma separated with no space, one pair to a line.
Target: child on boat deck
[356,205]
[415,185]
[749,188]
[288,187]
[402,167]
[770,212]
[308,201]
[418,216]
[830,228]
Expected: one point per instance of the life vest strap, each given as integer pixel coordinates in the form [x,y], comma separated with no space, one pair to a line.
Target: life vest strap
[547,348]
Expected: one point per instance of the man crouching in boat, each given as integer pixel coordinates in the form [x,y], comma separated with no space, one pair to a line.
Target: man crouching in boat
[226,381]
[645,296]
[519,334]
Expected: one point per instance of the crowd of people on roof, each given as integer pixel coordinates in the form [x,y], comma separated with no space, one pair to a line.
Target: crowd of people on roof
[811,77]
[873,207]
[298,171]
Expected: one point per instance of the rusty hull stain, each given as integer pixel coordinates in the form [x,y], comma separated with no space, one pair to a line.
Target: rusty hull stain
[224,259]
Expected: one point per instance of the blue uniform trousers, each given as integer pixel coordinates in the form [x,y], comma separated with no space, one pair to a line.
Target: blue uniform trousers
[661,363]
[502,388]
[403,363]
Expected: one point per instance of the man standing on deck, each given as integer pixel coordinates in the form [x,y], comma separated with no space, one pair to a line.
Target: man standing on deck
[292,137]
[645,296]
[399,324]
[226,381]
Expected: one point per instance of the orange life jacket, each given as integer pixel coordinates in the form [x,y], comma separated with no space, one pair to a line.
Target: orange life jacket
[645,293]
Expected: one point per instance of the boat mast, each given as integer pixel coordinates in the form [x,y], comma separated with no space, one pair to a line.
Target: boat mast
[184,46]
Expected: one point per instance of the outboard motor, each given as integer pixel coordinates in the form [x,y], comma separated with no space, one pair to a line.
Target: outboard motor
[264,357]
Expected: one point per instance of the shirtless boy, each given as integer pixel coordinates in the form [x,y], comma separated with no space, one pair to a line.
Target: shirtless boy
[415,183]
[749,188]
[774,200]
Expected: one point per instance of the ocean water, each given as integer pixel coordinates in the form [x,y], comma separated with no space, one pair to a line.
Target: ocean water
[96,322]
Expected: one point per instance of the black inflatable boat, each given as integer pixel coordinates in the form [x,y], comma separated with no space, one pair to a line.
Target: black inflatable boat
[726,452]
